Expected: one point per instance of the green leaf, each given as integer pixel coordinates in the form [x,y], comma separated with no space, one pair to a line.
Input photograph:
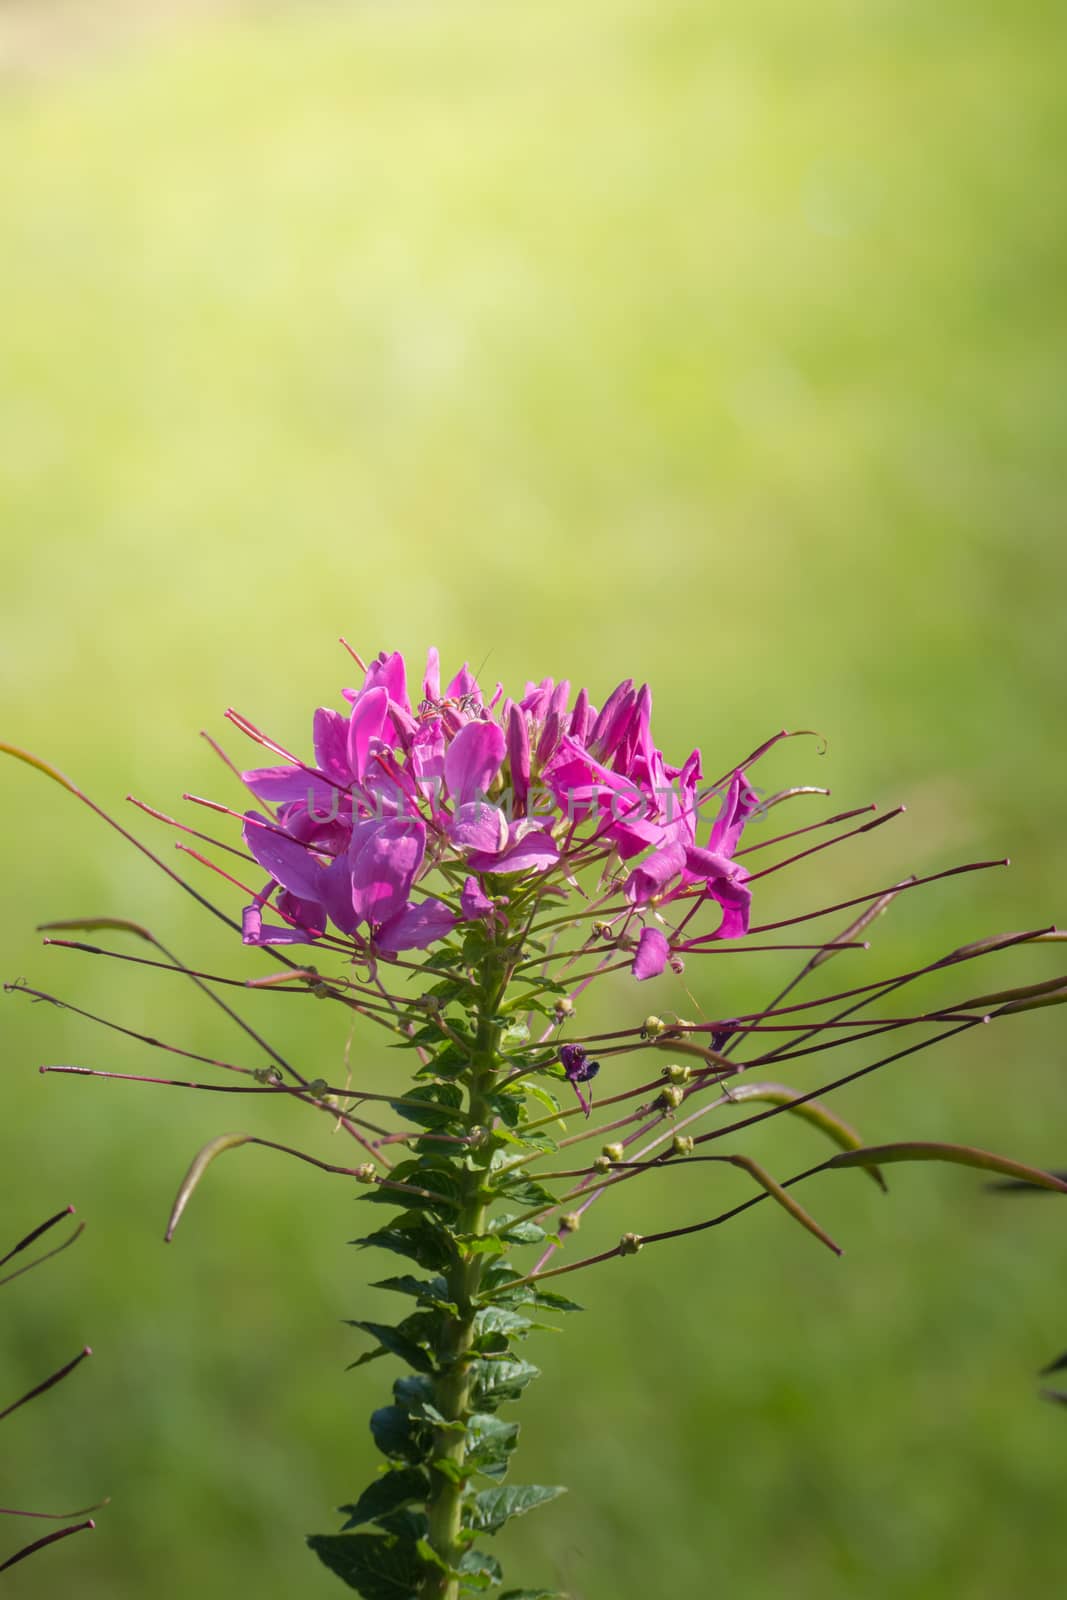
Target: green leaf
[532,1594]
[415,1236]
[402,1341]
[497,1278]
[493,1507]
[479,1570]
[414,1393]
[518,1232]
[406,1524]
[527,1192]
[388,1493]
[508,1107]
[490,1441]
[442,1102]
[960,1154]
[430,1291]
[499,1320]
[379,1569]
[495,1381]
[397,1434]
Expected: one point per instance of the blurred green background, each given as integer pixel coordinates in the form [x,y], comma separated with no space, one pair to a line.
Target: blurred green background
[718,345]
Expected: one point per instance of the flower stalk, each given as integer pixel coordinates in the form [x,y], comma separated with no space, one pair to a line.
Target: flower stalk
[463,867]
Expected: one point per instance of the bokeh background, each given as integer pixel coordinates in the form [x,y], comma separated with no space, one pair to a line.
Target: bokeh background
[719,345]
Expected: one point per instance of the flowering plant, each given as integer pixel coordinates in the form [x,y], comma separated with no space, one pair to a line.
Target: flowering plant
[458,869]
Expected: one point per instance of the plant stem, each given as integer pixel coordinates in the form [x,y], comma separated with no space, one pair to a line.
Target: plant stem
[452,1391]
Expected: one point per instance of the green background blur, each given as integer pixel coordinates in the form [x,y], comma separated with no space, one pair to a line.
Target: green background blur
[721,345]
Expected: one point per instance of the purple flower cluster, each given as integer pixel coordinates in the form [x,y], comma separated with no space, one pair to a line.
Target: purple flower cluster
[484,794]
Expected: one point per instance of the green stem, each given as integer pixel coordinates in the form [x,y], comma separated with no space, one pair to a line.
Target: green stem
[452,1391]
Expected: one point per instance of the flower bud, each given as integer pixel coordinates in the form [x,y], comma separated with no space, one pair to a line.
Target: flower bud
[564,1008]
[682,1144]
[570,1223]
[672,1097]
[630,1244]
[614,1152]
[653,1028]
[678,1074]
[366,1173]
[601,1164]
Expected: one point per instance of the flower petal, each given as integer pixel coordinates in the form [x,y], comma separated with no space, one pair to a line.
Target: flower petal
[366,723]
[651,955]
[657,870]
[474,901]
[385,864]
[416,926]
[473,760]
[530,851]
[289,863]
[479,826]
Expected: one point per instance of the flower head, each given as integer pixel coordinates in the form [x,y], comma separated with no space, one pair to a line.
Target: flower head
[410,820]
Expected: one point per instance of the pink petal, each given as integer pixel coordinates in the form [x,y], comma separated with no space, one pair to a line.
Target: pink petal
[365,724]
[385,866]
[479,826]
[416,927]
[651,955]
[473,760]
[532,851]
[289,863]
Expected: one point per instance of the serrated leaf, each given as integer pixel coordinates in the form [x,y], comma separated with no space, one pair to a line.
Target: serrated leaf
[493,1507]
[415,1237]
[527,1192]
[485,1244]
[443,1101]
[406,1524]
[508,1107]
[490,1441]
[414,1392]
[397,1434]
[398,1341]
[430,1291]
[480,1570]
[495,1381]
[543,1097]
[497,1280]
[498,1319]
[386,1494]
[519,1232]
[379,1569]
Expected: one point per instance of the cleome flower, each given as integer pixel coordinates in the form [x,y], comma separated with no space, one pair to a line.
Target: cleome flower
[414,818]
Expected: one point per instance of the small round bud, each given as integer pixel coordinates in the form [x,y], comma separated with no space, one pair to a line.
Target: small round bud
[429,1002]
[317,1087]
[366,1173]
[564,1008]
[630,1244]
[677,965]
[677,1074]
[672,1097]
[600,930]
[653,1027]
[570,1223]
[601,1164]
[682,1144]
[614,1152]
[477,1136]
